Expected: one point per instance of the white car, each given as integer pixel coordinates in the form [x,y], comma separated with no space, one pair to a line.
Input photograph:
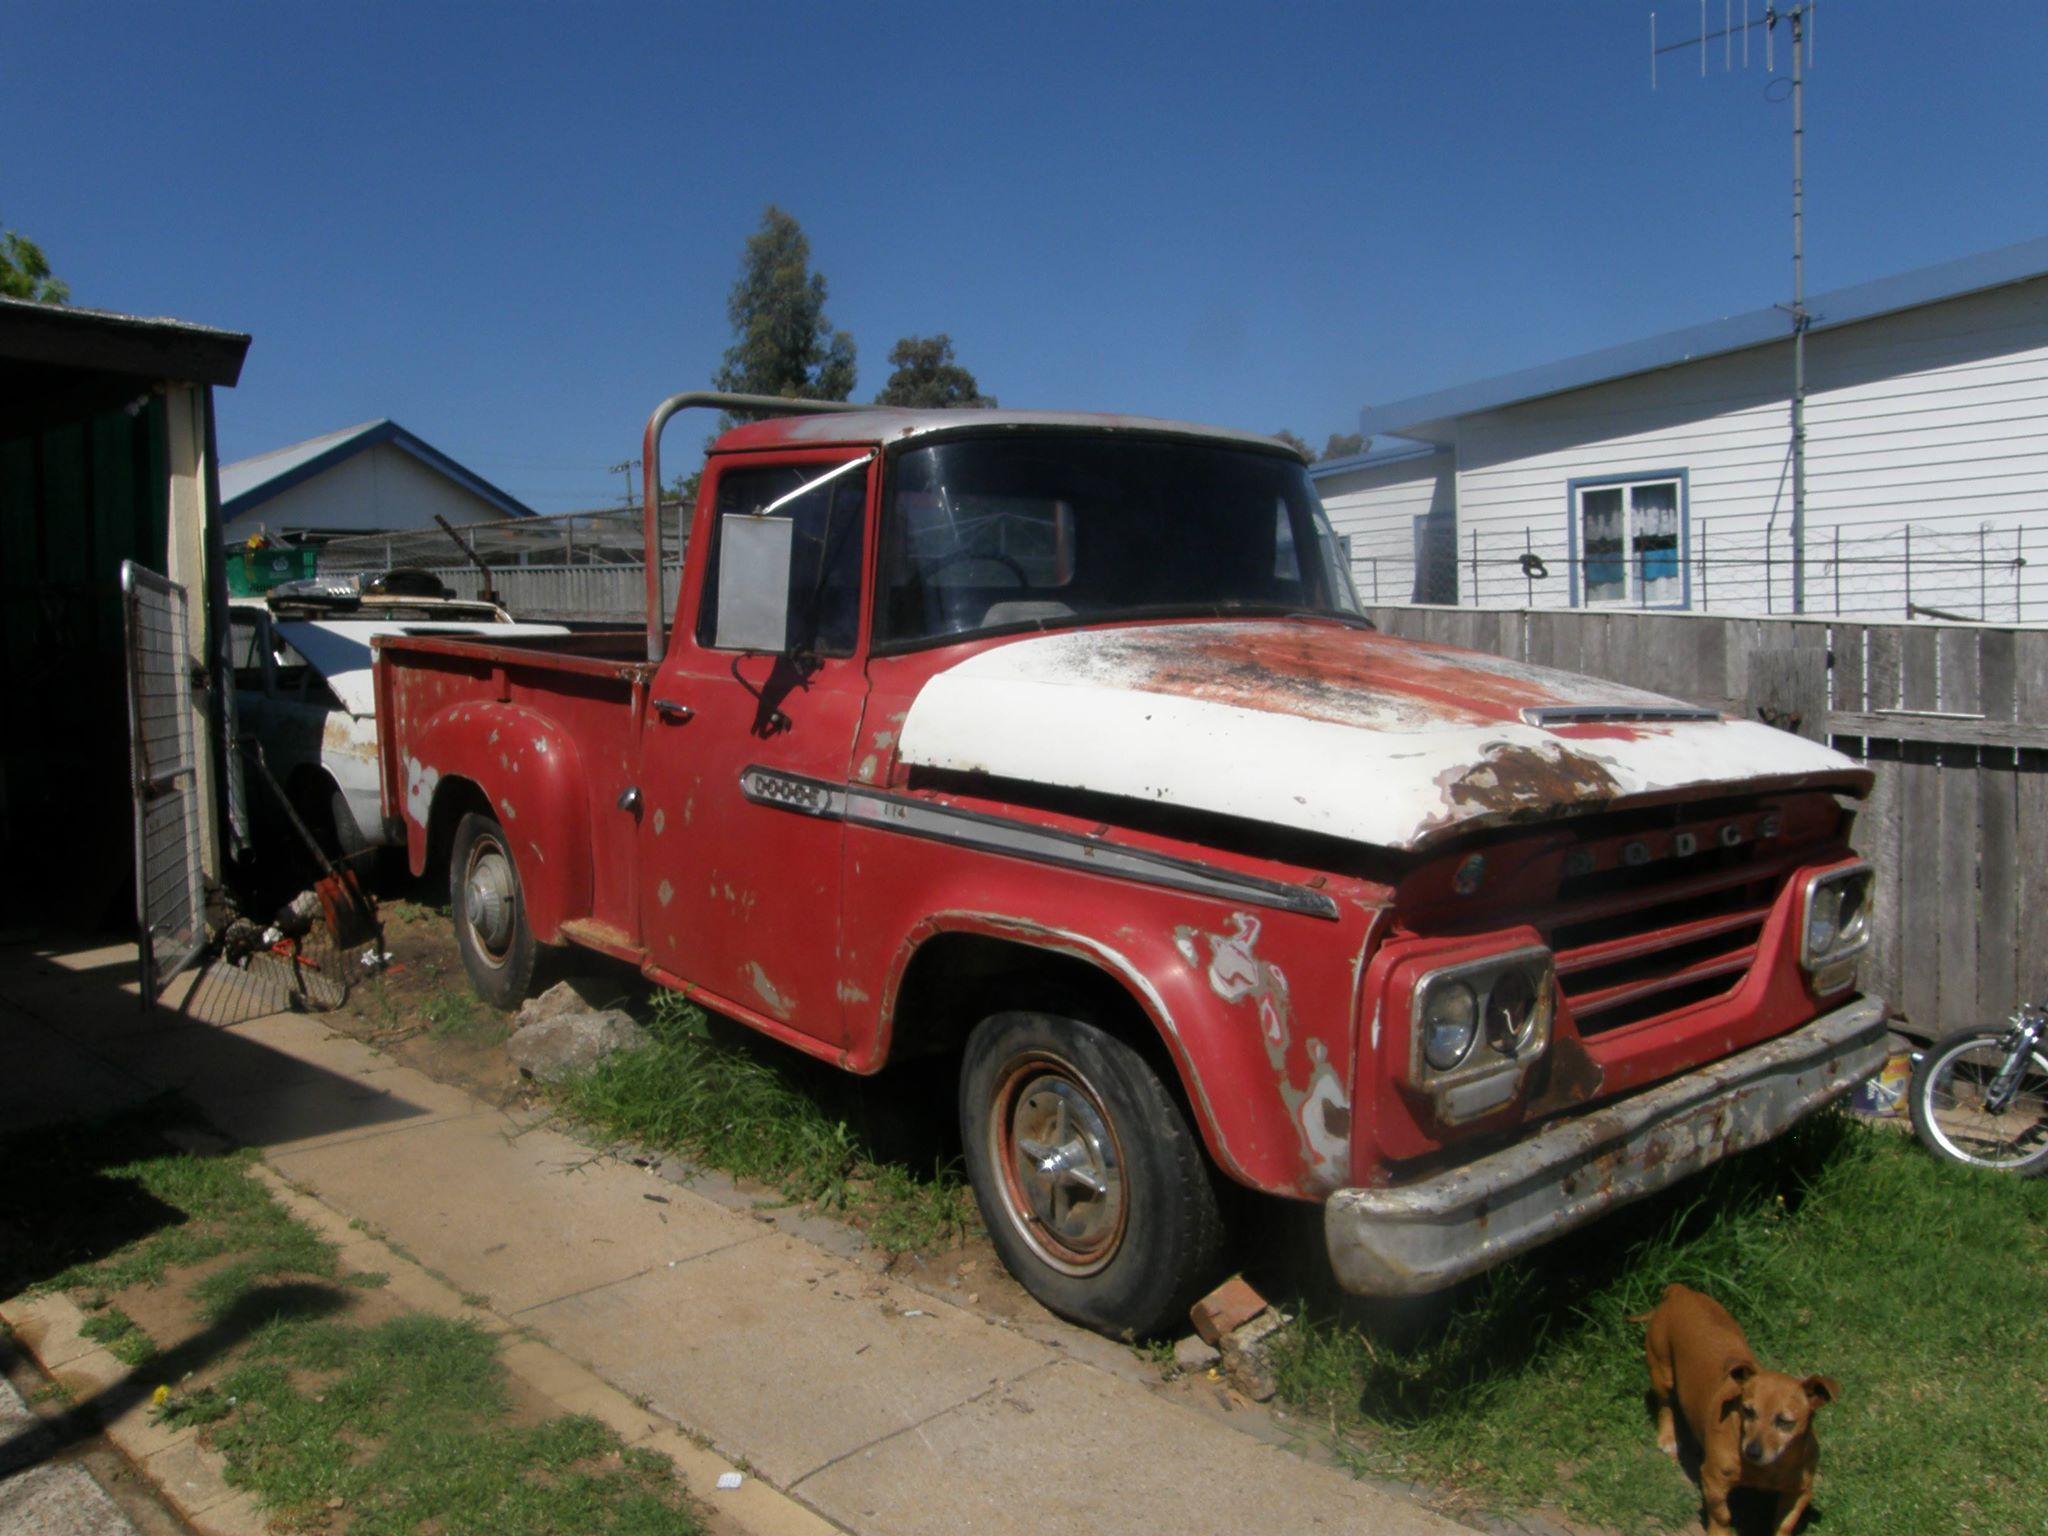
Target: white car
[303,688]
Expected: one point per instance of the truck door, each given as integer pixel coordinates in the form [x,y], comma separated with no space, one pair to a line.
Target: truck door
[740,891]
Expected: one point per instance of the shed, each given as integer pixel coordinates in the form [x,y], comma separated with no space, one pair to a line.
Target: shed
[1657,474]
[374,477]
[106,455]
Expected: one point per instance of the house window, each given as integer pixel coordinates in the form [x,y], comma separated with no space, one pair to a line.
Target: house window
[1631,537]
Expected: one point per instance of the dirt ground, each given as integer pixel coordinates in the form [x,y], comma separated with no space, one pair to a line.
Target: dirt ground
[421,1011]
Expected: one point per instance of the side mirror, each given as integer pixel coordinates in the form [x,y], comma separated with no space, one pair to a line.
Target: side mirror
[754,556]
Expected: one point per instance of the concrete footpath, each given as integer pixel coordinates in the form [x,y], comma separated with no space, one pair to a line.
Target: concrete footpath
[41,1495]
[875,1405]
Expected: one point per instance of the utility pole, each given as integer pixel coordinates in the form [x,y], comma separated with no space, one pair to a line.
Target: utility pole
[1797,16]
[630,468]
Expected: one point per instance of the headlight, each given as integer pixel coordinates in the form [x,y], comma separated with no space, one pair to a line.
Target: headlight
[1450,1023]
[1518,1010]
[1481,1018]
[1837,921]
[1822,919]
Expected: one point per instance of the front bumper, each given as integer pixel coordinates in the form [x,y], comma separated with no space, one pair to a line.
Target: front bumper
[1421,1237]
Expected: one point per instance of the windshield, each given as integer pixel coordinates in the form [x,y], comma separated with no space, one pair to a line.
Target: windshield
[990,533]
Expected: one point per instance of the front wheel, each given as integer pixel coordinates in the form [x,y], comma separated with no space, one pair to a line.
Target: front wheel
[1094,1187]
[489,908]
[1953,1088]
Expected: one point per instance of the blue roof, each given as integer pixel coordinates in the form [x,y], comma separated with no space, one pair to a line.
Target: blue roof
[250,482]
[1378,451]
[1430,415]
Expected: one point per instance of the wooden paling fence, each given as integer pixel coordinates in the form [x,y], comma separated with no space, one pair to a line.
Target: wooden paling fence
[1952,719]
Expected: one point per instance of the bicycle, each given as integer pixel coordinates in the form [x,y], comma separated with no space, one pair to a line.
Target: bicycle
[1979,1097]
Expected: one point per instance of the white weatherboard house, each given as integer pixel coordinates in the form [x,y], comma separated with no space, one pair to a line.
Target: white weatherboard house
[1658,474]
[372,478]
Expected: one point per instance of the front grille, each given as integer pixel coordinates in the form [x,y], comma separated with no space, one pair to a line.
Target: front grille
[1635,943]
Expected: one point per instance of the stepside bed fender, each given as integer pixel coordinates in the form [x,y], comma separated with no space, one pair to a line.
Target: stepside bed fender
[529,769]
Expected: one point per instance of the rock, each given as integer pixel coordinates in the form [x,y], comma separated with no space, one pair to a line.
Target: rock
[1247,1356]
[1231,1305]
[1195,1353]
[579,994]
[564,1044]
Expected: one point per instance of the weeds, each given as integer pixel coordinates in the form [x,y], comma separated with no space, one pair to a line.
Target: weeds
[407,1429]
[728,1106]
[456,1013]
[124,1339]
[111,1206]
[400,1427]
[1841,1249]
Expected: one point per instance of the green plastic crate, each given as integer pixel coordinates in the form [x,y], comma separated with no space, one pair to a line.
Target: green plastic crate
[258,570]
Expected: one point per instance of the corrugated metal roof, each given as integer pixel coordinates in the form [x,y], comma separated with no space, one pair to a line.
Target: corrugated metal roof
[1432,415]
[250,482]
[72,336]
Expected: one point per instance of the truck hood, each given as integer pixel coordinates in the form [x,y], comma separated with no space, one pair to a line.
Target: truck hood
[1328,729]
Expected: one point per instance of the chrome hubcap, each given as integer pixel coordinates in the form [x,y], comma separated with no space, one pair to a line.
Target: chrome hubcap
[1064,1178]
[487,899]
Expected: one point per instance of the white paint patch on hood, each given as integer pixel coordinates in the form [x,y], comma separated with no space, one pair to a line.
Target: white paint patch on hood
[339,649]
[1342,733]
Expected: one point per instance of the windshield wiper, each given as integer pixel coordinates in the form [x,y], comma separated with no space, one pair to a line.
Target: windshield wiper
[1219,607]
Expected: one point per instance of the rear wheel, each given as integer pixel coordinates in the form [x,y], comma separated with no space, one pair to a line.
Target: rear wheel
[1093,1184]
[1955,1086]
[489,908]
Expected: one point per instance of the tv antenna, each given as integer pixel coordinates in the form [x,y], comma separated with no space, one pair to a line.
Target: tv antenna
[1798,18]
[629,469]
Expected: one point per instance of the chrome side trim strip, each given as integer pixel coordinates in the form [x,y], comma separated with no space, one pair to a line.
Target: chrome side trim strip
[1601,714]
[1015,839]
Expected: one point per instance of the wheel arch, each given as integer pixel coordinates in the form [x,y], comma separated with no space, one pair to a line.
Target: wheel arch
[956,968]
[523,770]
[454,798]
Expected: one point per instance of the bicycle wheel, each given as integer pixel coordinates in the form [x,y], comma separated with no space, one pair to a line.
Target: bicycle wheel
[1950,1116]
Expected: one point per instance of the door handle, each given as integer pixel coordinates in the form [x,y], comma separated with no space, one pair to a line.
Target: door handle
[669,709]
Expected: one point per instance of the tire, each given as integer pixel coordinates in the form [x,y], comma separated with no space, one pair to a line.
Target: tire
[488,906]
[1946,1097]
[1129,1232]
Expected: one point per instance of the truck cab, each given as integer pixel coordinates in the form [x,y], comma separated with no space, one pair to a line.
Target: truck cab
[1058,744]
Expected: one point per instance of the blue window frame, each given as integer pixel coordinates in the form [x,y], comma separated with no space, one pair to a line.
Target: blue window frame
[1631,539]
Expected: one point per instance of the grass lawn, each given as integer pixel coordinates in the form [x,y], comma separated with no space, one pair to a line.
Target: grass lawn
[1843,1249]
[759,1111]
[337,1406]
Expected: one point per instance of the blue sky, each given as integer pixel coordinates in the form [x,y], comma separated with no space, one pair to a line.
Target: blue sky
[514,229]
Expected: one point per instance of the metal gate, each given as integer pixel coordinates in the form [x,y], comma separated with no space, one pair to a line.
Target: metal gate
[166,736]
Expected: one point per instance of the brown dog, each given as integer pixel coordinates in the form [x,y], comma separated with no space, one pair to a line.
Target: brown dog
[1754,1427]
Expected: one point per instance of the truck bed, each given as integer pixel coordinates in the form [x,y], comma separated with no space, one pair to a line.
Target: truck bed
[548,726]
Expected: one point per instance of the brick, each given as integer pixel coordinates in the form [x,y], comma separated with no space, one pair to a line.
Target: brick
[1224,1310]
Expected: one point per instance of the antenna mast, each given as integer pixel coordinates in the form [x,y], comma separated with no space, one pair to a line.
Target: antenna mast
[1799,16]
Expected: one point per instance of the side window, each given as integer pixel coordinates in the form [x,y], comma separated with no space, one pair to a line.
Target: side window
[295,674]
[245,651]
[824,570]
[1286,563]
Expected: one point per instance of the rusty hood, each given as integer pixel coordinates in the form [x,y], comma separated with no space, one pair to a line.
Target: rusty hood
[1333,730]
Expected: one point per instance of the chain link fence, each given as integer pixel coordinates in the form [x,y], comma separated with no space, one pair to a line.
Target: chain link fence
[572,567]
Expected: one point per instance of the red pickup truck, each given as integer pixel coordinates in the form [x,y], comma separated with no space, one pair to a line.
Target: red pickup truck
[1059,744]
